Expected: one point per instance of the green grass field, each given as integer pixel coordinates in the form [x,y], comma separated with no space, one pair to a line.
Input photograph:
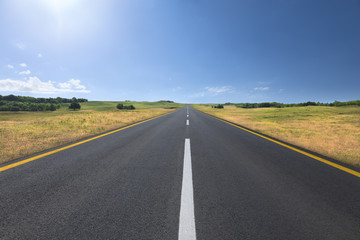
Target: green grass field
[25,133]
[99,106]
[111,105]
[330,131]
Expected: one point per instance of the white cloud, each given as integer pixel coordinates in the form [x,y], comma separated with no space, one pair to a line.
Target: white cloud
[72,84]
[218,90]
[10,66]
[261,88]
[35,85]
[23,65]
[39,55]
[213,91]
[27,72]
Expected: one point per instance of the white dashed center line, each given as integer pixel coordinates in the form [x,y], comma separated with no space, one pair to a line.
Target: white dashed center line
[187,229]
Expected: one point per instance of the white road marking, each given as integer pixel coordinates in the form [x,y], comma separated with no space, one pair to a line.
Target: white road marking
[187,229]
[187,122]
[187,115]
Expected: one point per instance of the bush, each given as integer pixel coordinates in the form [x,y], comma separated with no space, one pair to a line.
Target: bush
[218,106]
[130,107]
[75,105]
[121,106]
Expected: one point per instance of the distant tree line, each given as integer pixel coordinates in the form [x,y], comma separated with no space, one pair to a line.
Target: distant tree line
[25,106]
[348,103]
[58,100]
[22,103]
[281,105]
[165,101]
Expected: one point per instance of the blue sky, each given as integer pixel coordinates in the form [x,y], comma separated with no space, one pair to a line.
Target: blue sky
[191,51]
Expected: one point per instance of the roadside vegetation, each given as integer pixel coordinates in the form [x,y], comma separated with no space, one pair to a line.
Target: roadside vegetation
[330,131]
[24,132]
[282,105]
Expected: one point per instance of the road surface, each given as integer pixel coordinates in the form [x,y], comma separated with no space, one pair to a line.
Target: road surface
[184,175]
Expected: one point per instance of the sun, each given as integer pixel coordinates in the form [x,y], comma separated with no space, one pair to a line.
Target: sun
[61,5]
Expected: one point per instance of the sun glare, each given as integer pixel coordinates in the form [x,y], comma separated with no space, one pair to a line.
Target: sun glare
[60,5]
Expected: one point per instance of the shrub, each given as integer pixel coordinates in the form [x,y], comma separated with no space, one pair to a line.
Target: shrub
[75,105]
[218,106]
[121,106]
[130,107]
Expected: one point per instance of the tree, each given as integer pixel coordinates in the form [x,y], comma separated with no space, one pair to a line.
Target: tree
[74,106]
[120,106]
[52,107]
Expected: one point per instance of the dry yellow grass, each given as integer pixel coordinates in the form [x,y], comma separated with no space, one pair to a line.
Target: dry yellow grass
[330,131]
[22,134]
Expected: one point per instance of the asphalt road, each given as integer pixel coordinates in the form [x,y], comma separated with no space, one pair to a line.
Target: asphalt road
[170,178]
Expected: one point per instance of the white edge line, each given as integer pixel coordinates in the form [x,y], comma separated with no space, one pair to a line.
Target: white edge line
[187,229]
